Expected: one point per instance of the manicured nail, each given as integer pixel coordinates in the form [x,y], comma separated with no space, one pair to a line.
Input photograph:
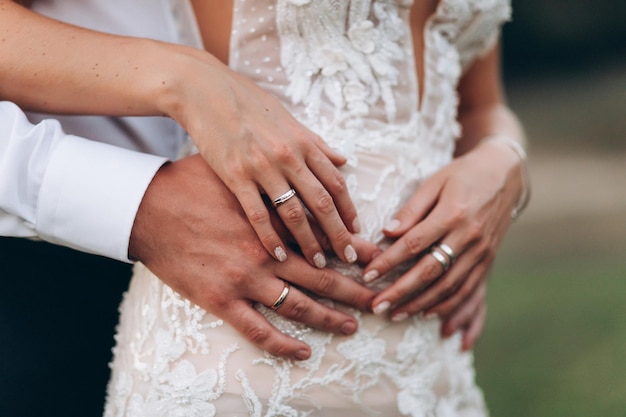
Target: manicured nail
[392,225]
[350,254]
[348,328]
[320,260]
[382,307]
[302,355]
[356,225]
[400,317]
[280,254]
[430,316]
[371,275]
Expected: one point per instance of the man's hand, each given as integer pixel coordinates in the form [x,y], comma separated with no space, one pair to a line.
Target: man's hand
[192,233]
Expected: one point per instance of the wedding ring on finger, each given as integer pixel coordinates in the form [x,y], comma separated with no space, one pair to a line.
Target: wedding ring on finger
[284,198]
[441,258]
[281,298]
[448,251]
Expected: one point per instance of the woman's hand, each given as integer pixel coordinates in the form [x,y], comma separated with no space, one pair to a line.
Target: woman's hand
[467,206]
[255,146]
[245,135]
[190,231]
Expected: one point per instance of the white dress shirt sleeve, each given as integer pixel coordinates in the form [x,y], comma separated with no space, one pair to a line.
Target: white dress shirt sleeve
[66,189]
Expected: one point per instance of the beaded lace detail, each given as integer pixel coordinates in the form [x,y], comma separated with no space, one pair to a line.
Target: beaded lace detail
[346,70]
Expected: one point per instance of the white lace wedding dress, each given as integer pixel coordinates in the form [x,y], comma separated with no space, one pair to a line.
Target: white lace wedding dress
[346,70]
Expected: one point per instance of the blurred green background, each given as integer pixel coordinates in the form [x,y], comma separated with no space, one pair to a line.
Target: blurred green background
[555,341]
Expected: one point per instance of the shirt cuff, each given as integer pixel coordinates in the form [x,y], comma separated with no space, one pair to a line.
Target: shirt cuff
[90,195]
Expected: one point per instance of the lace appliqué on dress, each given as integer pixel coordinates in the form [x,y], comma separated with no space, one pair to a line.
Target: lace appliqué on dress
[347,72]
[152,376]
[343,52]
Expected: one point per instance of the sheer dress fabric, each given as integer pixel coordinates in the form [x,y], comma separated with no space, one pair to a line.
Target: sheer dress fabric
[346,70]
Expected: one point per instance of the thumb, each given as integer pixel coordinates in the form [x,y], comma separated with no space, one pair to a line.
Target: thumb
[415,210]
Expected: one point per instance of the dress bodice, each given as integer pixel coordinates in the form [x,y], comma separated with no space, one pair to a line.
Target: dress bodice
[346,70]
[350,64]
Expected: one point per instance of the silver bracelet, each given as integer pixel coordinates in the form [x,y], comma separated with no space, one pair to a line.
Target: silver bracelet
[516,147]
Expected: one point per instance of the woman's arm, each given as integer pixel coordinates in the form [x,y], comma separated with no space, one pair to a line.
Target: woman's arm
[482,108]
[50,66]
[483,113]
[467,206]
[244,134]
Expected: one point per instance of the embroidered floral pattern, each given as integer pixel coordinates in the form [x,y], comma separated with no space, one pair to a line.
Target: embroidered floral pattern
[320,56]
[346,70]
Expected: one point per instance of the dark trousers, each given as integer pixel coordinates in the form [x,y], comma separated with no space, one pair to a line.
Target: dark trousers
[58,311]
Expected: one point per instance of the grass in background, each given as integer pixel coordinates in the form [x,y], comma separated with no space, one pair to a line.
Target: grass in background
[555,342]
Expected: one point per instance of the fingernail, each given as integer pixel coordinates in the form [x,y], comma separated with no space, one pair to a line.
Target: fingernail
[370,276]
[400,317]
[392,225]
[320,260]
[302,355]
[348,328]
[382,307]
[430,316]
[280,254]
[356,225]
[350,254]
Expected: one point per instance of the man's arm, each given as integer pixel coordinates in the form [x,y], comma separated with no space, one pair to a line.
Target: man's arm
[189,229]
[192,233]
[66,189]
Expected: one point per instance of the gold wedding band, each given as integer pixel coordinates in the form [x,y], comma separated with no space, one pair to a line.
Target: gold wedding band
[281,298]
[284,198]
